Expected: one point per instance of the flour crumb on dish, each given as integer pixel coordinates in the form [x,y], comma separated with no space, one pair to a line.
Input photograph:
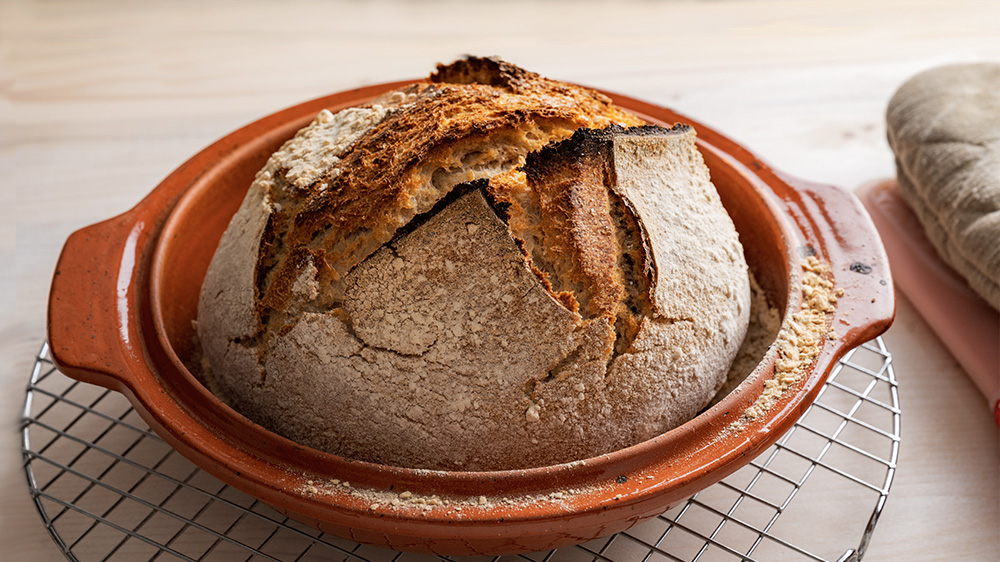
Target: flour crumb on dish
[800,340]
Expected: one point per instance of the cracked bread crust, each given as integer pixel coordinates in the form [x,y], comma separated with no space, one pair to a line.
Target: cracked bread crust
[444,134]
[483,329]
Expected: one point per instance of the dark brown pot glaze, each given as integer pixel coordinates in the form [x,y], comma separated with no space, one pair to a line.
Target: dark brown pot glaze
[126,290]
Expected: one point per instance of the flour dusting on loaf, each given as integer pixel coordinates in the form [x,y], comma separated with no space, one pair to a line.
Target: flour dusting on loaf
[490,270]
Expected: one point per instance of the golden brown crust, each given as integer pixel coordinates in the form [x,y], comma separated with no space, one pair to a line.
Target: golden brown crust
[490,71]
[576,219]
[354,208]
[583,239]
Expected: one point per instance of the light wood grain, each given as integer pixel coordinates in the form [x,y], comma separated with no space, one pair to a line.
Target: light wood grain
[101,100]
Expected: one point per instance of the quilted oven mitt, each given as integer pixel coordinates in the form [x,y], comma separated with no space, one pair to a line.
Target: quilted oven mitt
[944,127]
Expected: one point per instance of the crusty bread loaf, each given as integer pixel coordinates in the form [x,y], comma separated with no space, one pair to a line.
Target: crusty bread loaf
[377,297]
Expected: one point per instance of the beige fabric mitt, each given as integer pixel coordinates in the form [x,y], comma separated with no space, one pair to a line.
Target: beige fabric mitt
[944,126]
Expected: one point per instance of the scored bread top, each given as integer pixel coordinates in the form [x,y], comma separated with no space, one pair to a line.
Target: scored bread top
[361,304]
[475,118]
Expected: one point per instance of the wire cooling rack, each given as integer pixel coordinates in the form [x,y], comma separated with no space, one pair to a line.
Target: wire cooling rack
[108,488]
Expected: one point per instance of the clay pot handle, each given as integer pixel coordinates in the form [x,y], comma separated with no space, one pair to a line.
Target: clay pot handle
[90,329]
[838,223]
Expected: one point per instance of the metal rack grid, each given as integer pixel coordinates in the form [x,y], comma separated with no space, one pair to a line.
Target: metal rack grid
[108,488]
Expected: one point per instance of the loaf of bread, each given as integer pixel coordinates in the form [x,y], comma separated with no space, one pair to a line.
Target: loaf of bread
[451,278]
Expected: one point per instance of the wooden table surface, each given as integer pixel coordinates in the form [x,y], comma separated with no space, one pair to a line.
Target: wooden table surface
[102,99]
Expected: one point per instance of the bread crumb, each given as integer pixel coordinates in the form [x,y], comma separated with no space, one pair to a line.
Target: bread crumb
[532,413]
[801,338]
[381,499]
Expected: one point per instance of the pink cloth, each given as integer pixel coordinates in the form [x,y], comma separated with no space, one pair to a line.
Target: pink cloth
[966,324]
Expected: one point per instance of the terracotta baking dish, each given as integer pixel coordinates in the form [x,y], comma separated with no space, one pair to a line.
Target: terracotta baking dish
[125,292]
